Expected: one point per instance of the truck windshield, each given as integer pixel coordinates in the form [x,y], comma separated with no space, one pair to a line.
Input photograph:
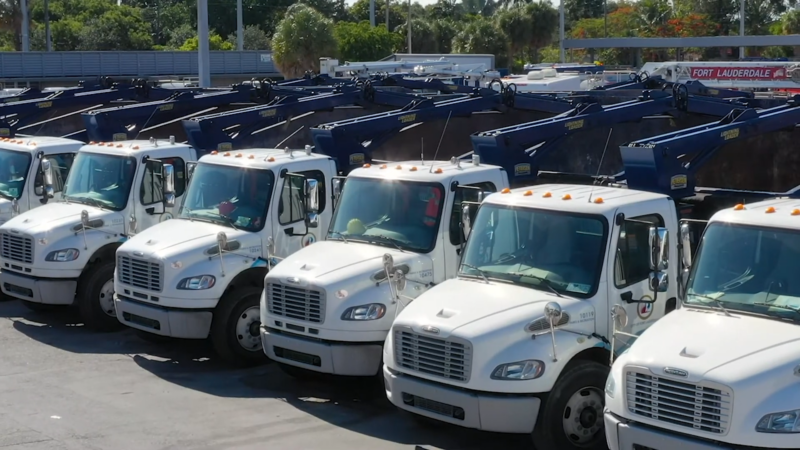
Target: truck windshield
[537,248]
[747,268]
[13,173]
[235,197]
[100,180]
[392,213]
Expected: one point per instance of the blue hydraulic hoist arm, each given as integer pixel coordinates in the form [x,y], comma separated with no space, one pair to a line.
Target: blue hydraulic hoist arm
[225,130]
[126,122]
[668,163]
[351,142]
[16,115]
[519,149]
[644,81]
[83,86]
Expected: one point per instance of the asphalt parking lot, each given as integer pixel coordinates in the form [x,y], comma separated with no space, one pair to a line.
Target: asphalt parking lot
[65,387]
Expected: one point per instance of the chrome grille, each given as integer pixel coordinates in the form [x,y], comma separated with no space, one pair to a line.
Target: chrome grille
[140,273]
[16,248]
[294,302]
[445,358]
[702,407]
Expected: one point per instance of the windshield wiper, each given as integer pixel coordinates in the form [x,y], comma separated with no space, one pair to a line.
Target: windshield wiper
[773,305]
[230,221]
[391,240]
[340,235]
[6,196]
[483,274]
[716,301]
[542,281]
[90,201]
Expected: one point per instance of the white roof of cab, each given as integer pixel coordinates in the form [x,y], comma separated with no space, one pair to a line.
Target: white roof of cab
[43,143]
[416,170]
[573,197]
[131,147]
[777,212]
[263,158]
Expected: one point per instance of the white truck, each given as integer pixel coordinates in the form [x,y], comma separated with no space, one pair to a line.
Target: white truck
[520,340]
[328,307]
[723,371]
[63,253]
[201,275]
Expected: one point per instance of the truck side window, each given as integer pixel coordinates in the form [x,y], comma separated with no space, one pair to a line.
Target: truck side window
[292,195]
[150,192]
[461,195]
[61,164]
[632,263]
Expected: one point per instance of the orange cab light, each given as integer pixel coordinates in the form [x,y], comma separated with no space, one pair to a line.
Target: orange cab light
[598,200]
[119,145]
[770,210]
[271,159]
[252,156]
[214,152]
[738,207]
[238,155]
[439,170]
[413,169]
[796,212]
[227,154]
[505,191]
[566,197]
[367,166]
[547,195]
[136,147]
[528,193]
[383,166]
[399,167]
[92,142]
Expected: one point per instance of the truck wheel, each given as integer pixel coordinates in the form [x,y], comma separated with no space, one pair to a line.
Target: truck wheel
[572,415]
[235,328]
[96,298]
[299,373]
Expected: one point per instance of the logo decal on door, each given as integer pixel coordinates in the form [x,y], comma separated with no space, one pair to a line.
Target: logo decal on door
[645,310]
[308,240]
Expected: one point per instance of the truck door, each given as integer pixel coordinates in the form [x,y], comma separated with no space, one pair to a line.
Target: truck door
[150,209]
[452,220]
[288,219]
[60,163]
[630,261]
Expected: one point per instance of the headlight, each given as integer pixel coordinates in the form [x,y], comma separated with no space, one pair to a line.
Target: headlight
[611,384]
[520,370]
[68,254]
[373,311]
[780,422]
[197,283]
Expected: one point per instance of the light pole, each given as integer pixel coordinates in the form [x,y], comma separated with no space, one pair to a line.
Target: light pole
[25,26]
[372,12]
[409,27]
[239,26]
[741,27]
[561,30]
[203,54]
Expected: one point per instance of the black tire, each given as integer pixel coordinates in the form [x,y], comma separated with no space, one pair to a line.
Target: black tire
[152,337]
[587,378]
[37,307]
[224,337]
[89,291]
[300,373]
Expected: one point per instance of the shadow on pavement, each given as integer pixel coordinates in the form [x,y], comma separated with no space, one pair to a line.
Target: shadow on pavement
[355,404]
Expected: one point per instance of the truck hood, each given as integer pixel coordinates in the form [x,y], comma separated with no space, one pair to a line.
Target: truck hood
[472,308]
[59,214]
[327,259]
[701,341]
[177,236]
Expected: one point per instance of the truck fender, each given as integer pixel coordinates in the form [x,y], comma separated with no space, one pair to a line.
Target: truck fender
[254,276]
[104,253]
[598,354]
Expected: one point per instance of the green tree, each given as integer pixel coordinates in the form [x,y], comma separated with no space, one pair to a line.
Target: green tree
[300,39]
[482,36]
[575,10]
[215,42]
[528,28]
[121,28]
[791,25]
[363,42]
[178,36]
[397,12]
[445,30]
[423,37]
[254,38]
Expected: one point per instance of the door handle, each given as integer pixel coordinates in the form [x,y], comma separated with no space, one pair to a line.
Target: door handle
[627,297]
[458,251]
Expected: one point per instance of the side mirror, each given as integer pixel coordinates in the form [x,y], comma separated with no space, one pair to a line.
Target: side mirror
[466,220]
[85,218]
[659,249]
[552,311]
[312,196]
[132,225]
[47,177]
[14,207]
[483,194]
[620,317]
[222,240]
[659,282]
[686,246]
[336,190]
[168,186]
[400,280]
[190,166]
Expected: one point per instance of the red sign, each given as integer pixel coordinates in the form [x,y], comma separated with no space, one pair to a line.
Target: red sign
[738,73]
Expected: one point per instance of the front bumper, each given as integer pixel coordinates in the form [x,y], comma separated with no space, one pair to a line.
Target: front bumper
[631,436]
[352,359]
[470,409]
[51,291]
[171,322]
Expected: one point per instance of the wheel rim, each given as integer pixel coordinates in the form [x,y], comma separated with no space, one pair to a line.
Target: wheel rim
[583,415]
[107,298]
[248,329]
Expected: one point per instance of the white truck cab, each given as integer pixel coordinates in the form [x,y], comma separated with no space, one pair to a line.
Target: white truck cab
[201,275]
[22,186]
[328,307]
[63,252]
[723,371]
[519,341]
